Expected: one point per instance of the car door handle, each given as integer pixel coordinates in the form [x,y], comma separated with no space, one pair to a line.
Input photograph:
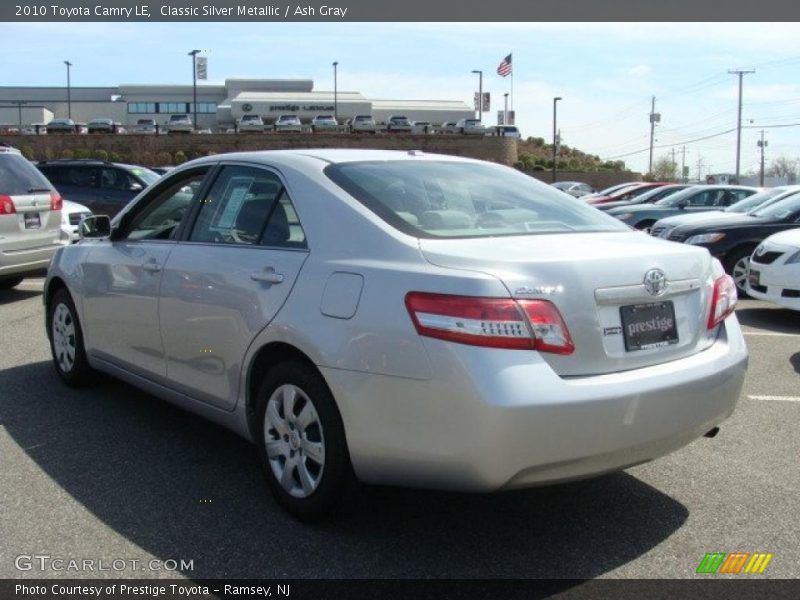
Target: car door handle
[151,266]
[267,276]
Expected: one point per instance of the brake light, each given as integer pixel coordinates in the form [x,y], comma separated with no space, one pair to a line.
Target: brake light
[723,300]
[56,201]
[490,322]
[7,205]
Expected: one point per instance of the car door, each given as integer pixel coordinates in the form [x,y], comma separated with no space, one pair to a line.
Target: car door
[227,280]
[117,188]
[122,277]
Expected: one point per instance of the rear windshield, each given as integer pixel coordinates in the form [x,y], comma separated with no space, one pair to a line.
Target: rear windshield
[452,199]
[18,176]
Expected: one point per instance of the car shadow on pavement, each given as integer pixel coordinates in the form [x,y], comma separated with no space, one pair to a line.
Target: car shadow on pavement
[16,295]
[778,320]
[179,487]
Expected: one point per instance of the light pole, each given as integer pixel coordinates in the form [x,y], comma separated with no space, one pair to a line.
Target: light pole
[194,54]
[69,91]
[480,95]
[505,108]
[555,140]
[19,104]
[335,91]
[762,143]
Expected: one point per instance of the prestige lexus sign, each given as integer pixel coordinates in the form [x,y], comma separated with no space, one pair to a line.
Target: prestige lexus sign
[297,107]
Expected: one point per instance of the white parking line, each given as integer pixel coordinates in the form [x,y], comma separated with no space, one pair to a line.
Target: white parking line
[776,398]
[771,333]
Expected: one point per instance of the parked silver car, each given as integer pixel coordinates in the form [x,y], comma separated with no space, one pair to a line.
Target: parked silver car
[145,127]
[30,216]
[470,127]
[324,123]
[251,124]
[400,318]
[363,124]
[179,124]
[576,189]
[288,123]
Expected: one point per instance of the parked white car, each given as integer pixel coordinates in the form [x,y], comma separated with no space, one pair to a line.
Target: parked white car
[72,214]
[324,123]
[363,124]
[145,127]
[179,124]
[422,128]
[288,123]
[511,131]
[400,318]
[576,189]
[774,270]
[251,124]
[398,124]
[470,127]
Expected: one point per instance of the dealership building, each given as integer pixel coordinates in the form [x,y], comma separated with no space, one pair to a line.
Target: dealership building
[218,106]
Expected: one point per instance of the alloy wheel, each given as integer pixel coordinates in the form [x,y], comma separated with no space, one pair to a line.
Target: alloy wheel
[64,344]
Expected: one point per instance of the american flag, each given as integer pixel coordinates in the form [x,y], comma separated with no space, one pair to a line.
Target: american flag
[504,70]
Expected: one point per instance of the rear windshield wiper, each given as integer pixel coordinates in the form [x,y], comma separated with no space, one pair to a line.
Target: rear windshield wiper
[35,190]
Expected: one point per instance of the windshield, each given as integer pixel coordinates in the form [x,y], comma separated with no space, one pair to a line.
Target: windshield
[781,209]
[754,201]
[146,175]
[674,199]
[430,199]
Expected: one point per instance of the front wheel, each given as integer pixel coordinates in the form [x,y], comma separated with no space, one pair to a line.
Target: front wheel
[737,265]
[66,341]
[302,443]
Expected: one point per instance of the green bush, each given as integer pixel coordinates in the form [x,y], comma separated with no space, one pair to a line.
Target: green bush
[100,154]
[67,153]
[81,153]
[180,157]
[163,159]
[114,156]
[27,152]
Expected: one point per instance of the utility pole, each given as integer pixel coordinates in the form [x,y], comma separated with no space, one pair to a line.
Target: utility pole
[762,143]
[69,90]
[741,73]
[699,169]
[654,118]
[556,138]
[194,54]
[674,167]
[683,165]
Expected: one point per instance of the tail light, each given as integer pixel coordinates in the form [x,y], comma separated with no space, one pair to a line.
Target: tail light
[723,300]
[56,201]
[490,322]
[7,205]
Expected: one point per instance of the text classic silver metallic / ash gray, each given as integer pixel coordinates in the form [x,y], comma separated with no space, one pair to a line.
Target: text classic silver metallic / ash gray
[400,318]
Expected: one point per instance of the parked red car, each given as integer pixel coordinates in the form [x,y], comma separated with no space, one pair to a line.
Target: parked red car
[627,193]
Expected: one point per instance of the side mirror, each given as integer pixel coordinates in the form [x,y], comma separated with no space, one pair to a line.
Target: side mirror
[95,227]
[683,203]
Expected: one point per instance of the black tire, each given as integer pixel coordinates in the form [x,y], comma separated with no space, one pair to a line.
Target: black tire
[645,226]
[336,478]
[10,282]
[739,259]
[79,373]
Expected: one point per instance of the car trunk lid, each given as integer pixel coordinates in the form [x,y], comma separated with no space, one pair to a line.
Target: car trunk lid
[590,277]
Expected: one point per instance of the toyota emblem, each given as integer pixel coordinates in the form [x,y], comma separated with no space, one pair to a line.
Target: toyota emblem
[655,282]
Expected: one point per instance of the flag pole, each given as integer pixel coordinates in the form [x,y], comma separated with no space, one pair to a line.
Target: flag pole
[512,81]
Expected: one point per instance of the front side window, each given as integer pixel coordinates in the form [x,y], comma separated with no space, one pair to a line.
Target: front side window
[248,206]
[164,209]
[456,199]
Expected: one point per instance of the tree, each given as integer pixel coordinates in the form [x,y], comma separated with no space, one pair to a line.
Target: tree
[783,167]
[663,170]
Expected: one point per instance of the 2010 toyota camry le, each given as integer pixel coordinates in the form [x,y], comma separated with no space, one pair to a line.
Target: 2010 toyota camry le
[400,318]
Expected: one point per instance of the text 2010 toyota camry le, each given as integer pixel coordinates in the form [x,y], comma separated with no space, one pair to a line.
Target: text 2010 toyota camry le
[400,318]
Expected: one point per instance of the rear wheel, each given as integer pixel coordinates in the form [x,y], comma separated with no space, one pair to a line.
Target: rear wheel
[737,265]
[302,443]
[7,284]
[66,341]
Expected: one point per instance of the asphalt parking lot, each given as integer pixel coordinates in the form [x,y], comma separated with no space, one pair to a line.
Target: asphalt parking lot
[113,473]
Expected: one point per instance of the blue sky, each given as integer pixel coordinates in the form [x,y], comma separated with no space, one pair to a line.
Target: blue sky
[606,73]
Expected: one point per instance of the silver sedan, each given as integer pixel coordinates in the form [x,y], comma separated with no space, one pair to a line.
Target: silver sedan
[400,318]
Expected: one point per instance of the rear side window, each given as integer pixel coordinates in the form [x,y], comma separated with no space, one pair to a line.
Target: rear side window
[456,199]
[248,206]
[18,176]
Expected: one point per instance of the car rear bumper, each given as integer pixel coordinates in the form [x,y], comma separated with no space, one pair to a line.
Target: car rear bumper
[498,419]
